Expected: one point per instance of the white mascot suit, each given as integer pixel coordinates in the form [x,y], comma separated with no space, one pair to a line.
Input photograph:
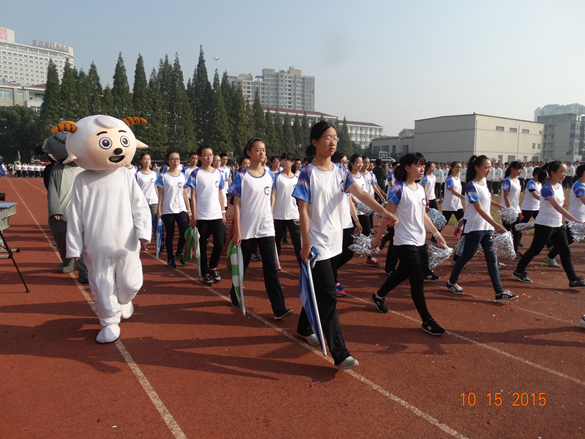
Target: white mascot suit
[109,216]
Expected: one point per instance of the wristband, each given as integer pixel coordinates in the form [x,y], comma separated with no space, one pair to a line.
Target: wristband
[223,211]
[436,233]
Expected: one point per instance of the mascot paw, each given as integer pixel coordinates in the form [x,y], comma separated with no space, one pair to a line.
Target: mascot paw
[109,334]
[127,310]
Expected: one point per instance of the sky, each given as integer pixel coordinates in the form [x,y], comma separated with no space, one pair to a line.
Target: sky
[386,62]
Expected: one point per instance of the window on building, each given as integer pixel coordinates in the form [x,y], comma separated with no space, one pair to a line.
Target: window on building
[513,130]
[499,128]
[511,158]
[534,146]
[540,132]
[405,149]
[525,158]
[525,131]
[20,95]
[394,149]
[5,94]
[500,158]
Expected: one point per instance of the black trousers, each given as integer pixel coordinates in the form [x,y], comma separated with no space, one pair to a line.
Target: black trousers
[391,256]
[267,247]
[366,224]
[182,220]
[495,187]
[326,294]
[411,267]
[558,235]
[449,213]
[555,251]
[516,235]
[206,229]
[346,253]
[280,227]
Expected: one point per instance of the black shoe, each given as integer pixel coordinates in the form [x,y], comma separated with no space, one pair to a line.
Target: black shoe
[522,277]
[518,255]
[432,277]
[432,327]
[285,313]
[285,242]
[379,303]
[178,255]
[577,284]
[234,300]
[255,257]
[208,280]
[215,275]
[389,273]
[505,296]
[171,263]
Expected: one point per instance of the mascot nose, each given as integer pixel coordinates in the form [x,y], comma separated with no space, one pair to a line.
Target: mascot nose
[118,151]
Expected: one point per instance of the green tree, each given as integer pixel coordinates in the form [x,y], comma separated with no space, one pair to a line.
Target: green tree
[288,137]
[18,132]
[156,132]
[165,79]
[260,119]
[220,133]
[95,98]
[345,144]
[278,147]
[140,101]
[180,122]
[228,94]
[240,130]
[108,102]
[270,137]
[305,129]
[121,91]
[84,90]
[68,94]
[298,131]
[201,99]
[51,107]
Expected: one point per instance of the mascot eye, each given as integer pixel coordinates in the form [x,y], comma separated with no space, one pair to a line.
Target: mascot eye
[125,141]
[105,143]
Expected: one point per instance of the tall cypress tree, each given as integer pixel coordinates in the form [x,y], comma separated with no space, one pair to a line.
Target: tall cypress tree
[259,117]
[228,93]
[220,133]
[156,132]
[95,98]
[297,131]
[84,91]
[108,102]
[165,79]
[68,94]
[51,106]
[270,137]
[288,137]
[240,130]
[201,99]
[278,147]
[140,101]
[305,129]
[121,91]
[345,144]
[180,121]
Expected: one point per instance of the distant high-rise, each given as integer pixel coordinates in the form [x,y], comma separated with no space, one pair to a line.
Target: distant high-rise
[550,110]
[27,65]
[282,89]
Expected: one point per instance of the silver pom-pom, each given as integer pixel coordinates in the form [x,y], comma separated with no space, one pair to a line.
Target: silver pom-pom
[577,230]
[460,224]
[437,219]
[460,245]
[377,215]
[362,246]
[503,246]
[438,254]
[509,215]
[524,227]
[362,209]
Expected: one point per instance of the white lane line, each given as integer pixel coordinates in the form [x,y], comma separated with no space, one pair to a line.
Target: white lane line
[160,406]
[483,345]
[354,374]
[40,190]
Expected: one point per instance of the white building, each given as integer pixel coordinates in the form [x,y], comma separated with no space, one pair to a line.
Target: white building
[362,133]
[25,96]
[27,65]
[564,137]
[449,138]
[283,89]
[549,110]
[392,147]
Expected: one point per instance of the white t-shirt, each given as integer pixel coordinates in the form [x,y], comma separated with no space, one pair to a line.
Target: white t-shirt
[439,176]
[226,178]
[206,186]
[147,183]
[477,192]
[548,216]
[325,192]
[576,206]
[529,202]
[255,212]
[429,182]
[187,172]
[370,178]
[347,221]
[514,189]
[285,206]
[451,203]
[361,181]
[173,201]
[410,211]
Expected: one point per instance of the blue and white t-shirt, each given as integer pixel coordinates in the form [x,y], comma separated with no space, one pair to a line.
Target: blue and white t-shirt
[451,203]
[173,186]
[325,192]
[576,206]
[475,192]
[512,186]
[548,215]
[255,207]
[410,211]
[206,187]
[285,206]
[529,202]
[428,181]
[147,183]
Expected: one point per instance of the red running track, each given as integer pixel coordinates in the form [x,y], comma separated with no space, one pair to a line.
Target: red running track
[190,365]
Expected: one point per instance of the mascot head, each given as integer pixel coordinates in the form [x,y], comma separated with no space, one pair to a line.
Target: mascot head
[54,146]
[99,143]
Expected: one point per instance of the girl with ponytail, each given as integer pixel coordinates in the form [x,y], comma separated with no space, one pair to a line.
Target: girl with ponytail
[511,189]
[549,224]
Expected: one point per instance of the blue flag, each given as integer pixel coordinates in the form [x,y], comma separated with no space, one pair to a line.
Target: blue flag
[308,298]
[159,236]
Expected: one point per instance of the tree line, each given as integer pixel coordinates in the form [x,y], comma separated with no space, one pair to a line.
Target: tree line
[180,116]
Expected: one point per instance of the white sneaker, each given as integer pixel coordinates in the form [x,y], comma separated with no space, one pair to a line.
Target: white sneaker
[109,334]
[582,322]
[348,363]
[311,339]
[454,288]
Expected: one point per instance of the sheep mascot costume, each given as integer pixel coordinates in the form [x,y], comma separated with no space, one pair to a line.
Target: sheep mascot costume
[109,216]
